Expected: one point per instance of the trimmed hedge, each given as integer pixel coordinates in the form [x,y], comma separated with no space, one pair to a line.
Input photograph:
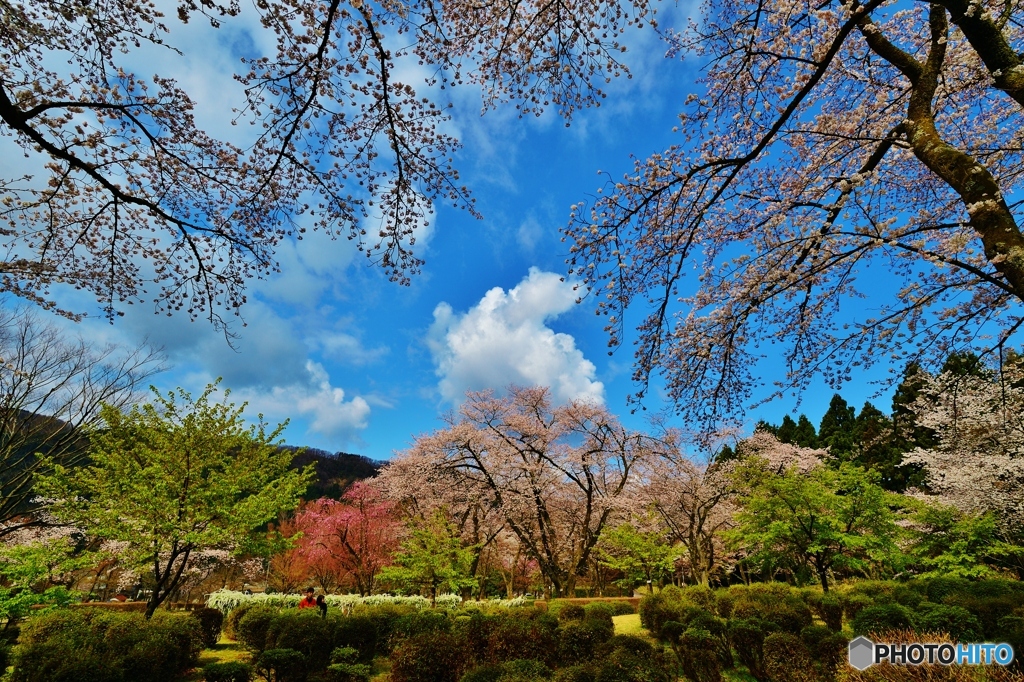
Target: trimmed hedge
[94,645]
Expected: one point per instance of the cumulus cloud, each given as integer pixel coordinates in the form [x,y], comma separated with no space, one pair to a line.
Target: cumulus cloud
[504,339]
[316,401]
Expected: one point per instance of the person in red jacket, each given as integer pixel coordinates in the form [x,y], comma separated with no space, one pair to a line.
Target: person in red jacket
[308,602]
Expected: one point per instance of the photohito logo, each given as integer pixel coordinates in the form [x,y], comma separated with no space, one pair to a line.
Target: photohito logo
[863,653]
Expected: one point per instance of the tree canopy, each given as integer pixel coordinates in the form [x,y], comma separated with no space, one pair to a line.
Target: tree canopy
[171,478]
[823,142]
[134,201]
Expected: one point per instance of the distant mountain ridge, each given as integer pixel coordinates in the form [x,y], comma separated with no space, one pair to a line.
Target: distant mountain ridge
[335,472]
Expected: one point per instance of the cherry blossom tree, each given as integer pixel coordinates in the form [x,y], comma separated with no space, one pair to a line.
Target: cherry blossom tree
[556,475]
[136,202]
[354,537]
[822,142]
[977,465]
[694,502]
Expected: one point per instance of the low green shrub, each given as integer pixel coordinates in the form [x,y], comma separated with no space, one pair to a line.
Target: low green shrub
[483,673]
[231,671]
[599,611]
[571,612]
[831,654]
[854,604]
[211,621]
[957,622]
[659,608]
[787,659]
[724,601]
[361,632]
[475,632]
[693,654]
[747,635]
[937,589]
[622,608]
[989,610]
[419,622]
[524,670]
[632,644]
[251,629]
[95,645]
[281,665]
[345,666]
[429,657]
[306,632]
[829,608]
[882,618]
[231,620]
[702,596]
[621,665]
[578,641]
[576,673]
[531,637]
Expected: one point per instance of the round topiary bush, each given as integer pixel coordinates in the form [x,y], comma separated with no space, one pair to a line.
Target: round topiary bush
[746,636]
[578,641]
[599,611]
[622,608]
[696,657]
[787,659]
[483,673]
[252,628]
[882,618]
[514,636]
[282,665]
[211,621]
[828,607]
[429,657]
[623,666]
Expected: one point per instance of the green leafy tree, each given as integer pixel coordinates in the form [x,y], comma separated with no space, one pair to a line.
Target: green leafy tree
[824,519]
[948,542]
[641,554]
[171,478]
[432,559]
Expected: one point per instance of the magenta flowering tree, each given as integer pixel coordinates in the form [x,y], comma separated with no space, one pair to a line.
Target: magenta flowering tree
[356,536]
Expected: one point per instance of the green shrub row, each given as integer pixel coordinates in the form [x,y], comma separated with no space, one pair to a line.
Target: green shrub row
[94,645]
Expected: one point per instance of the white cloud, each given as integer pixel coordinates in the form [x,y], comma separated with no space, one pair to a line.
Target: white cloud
[504,339]
[317,401]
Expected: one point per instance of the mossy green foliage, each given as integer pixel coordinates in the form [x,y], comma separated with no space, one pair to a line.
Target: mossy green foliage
[94,645]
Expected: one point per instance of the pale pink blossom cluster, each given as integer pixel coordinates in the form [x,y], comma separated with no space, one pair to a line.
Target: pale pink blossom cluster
[978,464]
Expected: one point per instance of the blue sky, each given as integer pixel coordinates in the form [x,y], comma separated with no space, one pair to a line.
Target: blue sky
[363,365]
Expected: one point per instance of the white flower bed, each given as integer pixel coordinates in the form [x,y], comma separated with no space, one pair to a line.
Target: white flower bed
[225,600]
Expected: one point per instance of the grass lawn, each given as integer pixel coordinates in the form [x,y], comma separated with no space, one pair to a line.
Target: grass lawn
[628,624]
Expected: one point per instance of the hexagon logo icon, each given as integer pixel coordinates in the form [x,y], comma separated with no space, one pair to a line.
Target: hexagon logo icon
[862,653]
